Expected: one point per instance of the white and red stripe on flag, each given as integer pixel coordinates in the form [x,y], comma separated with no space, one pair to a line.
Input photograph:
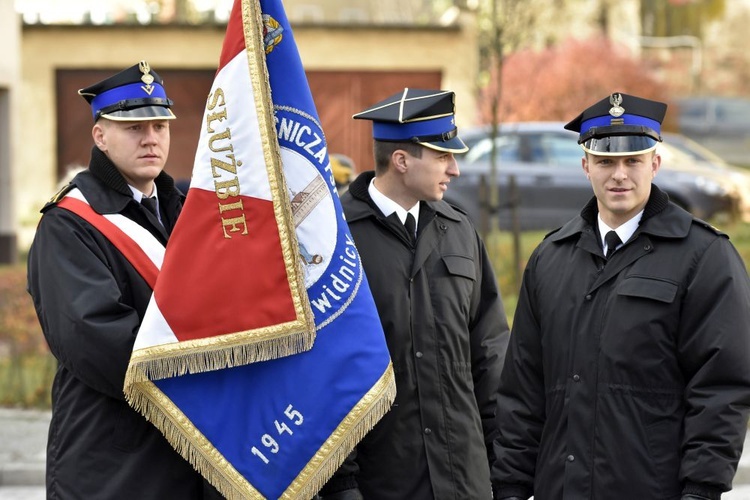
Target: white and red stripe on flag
[231,290]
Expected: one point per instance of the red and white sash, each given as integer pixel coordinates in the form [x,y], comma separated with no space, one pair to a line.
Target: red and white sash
[137,244]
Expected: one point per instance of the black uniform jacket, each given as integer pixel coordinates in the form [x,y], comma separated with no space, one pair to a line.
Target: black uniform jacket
[446,331]
[627,378]
[90,302]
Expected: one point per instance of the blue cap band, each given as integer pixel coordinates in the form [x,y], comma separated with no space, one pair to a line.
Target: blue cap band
[606,121]
[390,131]
[124,93]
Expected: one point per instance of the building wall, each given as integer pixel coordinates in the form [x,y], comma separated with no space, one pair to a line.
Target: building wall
[451,51]
[10,75]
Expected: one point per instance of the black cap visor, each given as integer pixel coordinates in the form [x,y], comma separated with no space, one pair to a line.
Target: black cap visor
[619,140]
[140,113]
[447,141]
[453,145]
[620,145]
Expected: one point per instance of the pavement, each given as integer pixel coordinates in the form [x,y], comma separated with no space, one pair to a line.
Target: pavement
[23,441]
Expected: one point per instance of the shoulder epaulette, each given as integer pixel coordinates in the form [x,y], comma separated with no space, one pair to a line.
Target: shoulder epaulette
[551,233]
[58,196]
[457,208]
[708,226]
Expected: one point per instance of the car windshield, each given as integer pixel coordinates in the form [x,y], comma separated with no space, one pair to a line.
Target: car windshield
[507,149]
[546,148]
[562,150]
[693,149]
[735,111]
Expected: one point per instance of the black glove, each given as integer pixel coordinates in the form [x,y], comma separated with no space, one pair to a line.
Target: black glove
[353,494]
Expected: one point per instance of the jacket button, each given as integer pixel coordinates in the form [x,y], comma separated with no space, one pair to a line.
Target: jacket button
[576,378]
[588,297]
[647,247]
[570,458]
[418,354]
[427,431]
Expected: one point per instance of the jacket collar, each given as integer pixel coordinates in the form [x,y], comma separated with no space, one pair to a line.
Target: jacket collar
[365,207]
[103,171]
[673,222]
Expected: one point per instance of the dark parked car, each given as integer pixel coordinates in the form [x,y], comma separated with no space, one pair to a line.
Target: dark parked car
[722,124]
[738,177]
[545,160]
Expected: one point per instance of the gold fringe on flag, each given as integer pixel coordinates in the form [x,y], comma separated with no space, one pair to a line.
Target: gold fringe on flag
[190,443]
[363,417]
[262,344]
[216,353]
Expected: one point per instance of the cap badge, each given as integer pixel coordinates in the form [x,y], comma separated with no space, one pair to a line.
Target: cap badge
[616,110]
[147,78]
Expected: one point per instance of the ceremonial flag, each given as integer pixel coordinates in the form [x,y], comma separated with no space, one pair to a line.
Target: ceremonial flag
[222,363]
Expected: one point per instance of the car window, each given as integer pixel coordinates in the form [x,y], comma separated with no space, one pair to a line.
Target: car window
[671,155]
[507,150]
[692,110]
[691,148]
[733,112]
[560,150]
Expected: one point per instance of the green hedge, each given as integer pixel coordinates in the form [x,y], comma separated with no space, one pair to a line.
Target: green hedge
[26,365]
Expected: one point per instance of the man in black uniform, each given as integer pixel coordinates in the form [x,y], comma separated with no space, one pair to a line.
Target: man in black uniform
[440,307]
[628,370]
[90,299]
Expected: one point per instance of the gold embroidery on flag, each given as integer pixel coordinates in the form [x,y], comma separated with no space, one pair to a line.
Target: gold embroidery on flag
[189,442]
[270,342]
[262,344]
[253,29]
[352,429]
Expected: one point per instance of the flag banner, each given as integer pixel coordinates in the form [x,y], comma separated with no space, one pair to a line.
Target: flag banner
[231,290]
[277,426]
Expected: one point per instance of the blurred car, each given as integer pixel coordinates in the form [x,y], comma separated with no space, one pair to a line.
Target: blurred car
[721,124]
[545,161]
[739,177]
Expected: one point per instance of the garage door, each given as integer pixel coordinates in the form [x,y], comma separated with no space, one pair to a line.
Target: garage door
[338,95]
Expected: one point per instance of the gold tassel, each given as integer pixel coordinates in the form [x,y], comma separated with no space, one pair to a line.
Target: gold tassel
[192,445]
[211,354]
[360,420]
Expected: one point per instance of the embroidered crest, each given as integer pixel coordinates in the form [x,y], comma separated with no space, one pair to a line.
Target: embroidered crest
[272,33]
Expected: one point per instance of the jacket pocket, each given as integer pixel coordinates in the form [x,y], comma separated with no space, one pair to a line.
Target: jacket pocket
[459,265]
[648,288]
[130,429]
[663,441]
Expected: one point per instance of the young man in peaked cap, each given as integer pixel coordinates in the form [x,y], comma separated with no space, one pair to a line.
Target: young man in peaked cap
[440,307]
[90,300]
[132,94]
[627,373]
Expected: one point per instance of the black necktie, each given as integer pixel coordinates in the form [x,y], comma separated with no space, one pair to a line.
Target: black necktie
[411,226]
[150,204]
[612,241]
